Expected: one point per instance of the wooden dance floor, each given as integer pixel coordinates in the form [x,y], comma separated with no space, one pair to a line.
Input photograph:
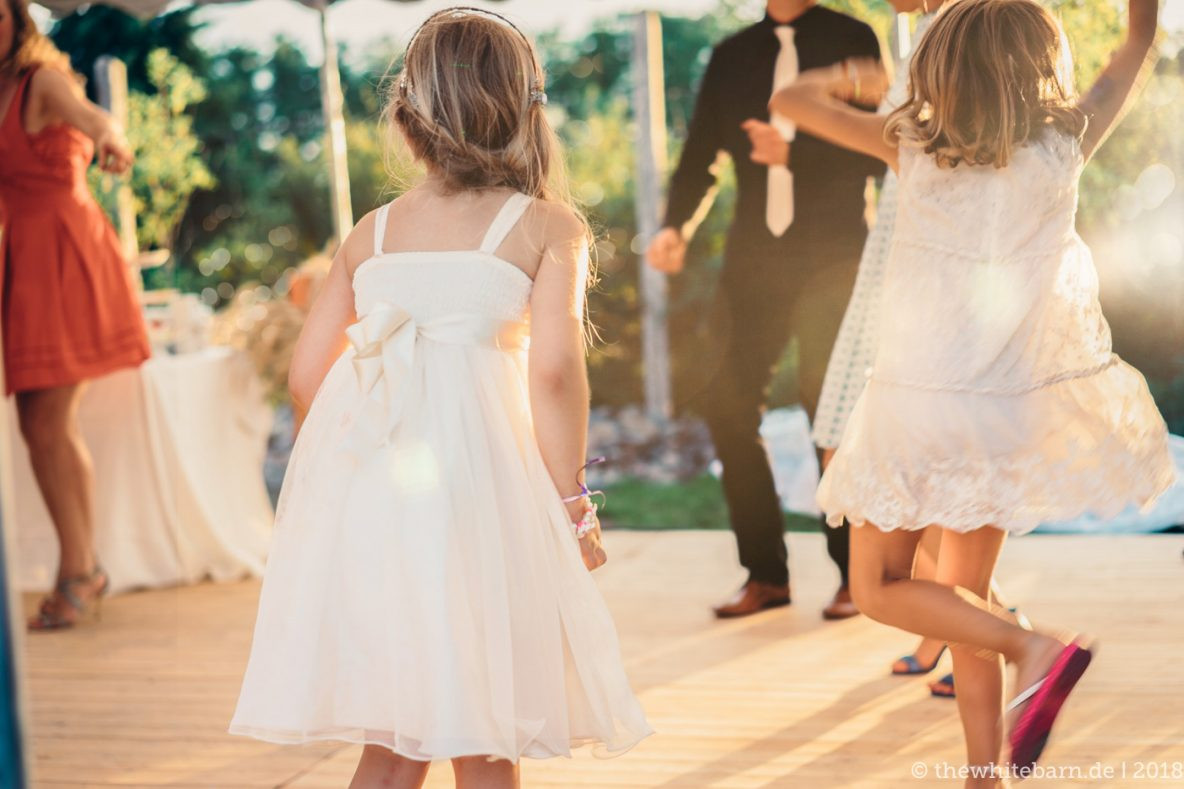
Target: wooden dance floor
[777,700]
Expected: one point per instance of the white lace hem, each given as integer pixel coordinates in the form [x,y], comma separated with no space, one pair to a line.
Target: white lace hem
[912,458]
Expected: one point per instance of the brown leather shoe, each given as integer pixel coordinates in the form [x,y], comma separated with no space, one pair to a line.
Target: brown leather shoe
[752,598]
[841,607]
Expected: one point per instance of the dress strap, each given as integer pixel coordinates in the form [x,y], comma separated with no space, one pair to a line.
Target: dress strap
[380,228]
[504,222]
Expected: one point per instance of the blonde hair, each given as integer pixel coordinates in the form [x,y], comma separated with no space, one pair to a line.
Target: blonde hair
[30,47]
[987,77]
[469,100]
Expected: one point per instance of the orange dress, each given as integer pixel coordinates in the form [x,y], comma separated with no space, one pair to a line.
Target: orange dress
[68,301]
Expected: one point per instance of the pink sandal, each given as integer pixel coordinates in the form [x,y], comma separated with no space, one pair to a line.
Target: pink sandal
[1044,700]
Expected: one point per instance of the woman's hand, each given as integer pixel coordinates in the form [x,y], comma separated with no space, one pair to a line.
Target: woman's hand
[113,153]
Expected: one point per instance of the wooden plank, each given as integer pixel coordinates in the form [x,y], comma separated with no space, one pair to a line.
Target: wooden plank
[780,699]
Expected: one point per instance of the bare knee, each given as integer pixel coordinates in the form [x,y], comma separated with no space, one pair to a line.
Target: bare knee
[485,772]
[379,767]
[40,427]
[867,594]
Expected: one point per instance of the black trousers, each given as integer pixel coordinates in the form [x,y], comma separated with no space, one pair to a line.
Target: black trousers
[755,316]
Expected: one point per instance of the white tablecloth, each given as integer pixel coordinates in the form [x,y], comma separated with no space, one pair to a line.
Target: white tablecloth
[178,447]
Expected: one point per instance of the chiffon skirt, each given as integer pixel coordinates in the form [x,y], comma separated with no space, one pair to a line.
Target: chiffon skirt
[427,594]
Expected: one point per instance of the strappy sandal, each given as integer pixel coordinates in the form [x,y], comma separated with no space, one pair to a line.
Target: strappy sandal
[913,667]
[49,615]
[1044,700]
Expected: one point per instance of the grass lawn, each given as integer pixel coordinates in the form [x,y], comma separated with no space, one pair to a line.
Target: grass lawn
[697,504]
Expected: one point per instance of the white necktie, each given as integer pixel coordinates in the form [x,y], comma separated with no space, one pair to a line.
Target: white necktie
[779,201]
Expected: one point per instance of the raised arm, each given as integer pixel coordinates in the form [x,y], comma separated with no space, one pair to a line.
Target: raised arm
[818,103]
[1104,102]
[58,98]
[557,369]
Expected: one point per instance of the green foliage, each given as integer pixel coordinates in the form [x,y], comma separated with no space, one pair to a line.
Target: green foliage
[697,504]
[261,129]
[168,168]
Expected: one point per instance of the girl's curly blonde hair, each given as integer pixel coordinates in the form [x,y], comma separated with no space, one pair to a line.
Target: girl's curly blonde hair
[987,77]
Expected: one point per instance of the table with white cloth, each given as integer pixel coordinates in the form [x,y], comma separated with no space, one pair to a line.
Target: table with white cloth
[178,447]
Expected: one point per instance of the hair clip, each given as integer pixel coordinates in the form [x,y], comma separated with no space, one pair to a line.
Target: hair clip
[405,86]
[538,96]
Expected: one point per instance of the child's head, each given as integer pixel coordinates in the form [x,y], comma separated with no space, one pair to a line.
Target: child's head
[469,100]
[988,76]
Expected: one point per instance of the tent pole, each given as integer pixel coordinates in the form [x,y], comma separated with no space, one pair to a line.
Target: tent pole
[332,107]
[649,111]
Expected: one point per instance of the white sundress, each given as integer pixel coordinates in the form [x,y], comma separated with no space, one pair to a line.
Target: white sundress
[995,398]
[425,590]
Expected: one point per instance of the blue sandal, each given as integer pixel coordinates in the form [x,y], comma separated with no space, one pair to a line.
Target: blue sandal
[912,666]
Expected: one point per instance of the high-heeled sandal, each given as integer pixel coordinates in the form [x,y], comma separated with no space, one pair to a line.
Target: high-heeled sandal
[913,667]
[49,619]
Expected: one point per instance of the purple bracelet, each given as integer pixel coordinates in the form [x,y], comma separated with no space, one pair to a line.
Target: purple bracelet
[584,492]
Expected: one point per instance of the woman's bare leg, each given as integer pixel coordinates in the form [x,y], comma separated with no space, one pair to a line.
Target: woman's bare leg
[64,472]
[382,767]
[482,772]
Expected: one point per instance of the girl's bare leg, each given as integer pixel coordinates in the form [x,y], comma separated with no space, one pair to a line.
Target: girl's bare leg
[925,567]
[382,767]
[967,562]
[881,570]
[482,772]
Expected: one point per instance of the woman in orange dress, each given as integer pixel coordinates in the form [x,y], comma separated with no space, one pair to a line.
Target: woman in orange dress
[69,309]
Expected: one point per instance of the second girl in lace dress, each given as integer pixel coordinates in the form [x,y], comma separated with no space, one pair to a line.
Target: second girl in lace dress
[995,401]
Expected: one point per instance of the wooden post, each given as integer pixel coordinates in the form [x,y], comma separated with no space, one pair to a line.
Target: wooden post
[332,106]
[649,113]
[111,81]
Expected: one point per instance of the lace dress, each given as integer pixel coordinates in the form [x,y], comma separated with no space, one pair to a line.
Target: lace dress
[855,346]
[425,590]
[995,398]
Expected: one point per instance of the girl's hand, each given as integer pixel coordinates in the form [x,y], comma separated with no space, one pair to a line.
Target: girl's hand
[592,548]
[114,154]
[862,80]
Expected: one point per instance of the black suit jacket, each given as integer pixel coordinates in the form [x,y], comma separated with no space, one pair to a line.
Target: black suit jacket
[829,181]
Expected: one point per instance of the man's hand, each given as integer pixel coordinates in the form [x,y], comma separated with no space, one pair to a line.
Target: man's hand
[668,251]
[768,146]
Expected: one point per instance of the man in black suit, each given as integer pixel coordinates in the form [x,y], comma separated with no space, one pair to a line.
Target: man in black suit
[789,263]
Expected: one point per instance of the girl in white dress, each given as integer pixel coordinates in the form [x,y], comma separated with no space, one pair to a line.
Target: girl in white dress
[855,351]
[425,593]
[995,401]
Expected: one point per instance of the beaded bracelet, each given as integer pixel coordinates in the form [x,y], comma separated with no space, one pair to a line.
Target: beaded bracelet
[584,492]
[586,523]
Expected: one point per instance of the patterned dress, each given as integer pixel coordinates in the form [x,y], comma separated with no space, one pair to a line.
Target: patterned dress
[855,347]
